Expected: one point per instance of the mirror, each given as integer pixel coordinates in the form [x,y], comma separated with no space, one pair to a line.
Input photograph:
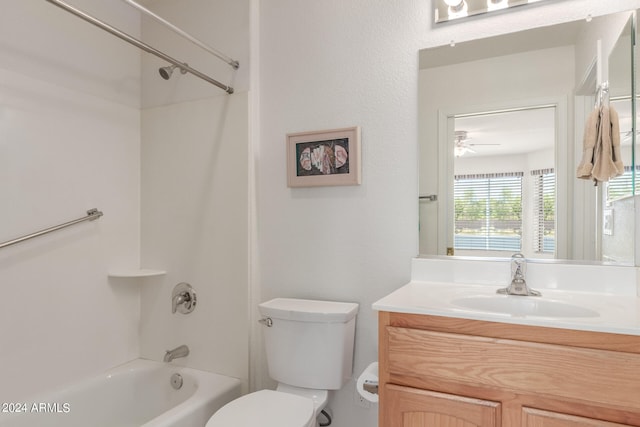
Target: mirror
[501,124]
[618,204]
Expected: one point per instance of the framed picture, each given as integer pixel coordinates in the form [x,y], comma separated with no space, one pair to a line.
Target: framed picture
[328,157]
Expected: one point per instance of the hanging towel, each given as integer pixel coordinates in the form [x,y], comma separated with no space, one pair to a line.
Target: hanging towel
[601,159]
[607,162]
[615,141]
[588,144]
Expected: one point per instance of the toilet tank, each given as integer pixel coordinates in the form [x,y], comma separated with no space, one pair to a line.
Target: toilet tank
[309,343]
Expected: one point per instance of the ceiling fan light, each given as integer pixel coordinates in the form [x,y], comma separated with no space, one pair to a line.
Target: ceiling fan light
[460,135]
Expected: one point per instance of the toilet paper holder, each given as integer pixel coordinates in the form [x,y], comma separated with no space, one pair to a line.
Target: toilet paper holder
[371,387]
[367,383]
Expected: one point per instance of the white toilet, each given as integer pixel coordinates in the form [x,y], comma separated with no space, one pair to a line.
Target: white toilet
[309,347]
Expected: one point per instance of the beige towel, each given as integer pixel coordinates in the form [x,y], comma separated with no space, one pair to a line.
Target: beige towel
[588,144]
[601,159]
[615,141]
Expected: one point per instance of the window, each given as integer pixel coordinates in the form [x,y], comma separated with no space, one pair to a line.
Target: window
[544,210]
[488,211]
[623,185]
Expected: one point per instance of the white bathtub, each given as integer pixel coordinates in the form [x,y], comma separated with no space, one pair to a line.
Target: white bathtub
[136,394]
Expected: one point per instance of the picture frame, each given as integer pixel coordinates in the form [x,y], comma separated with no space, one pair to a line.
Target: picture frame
[324,158]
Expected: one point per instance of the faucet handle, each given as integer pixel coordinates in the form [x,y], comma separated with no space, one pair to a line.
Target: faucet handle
[518,284]
[183,298]
[518,266]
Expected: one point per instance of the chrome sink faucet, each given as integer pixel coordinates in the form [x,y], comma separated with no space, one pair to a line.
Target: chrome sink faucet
[518,284]
[181,351]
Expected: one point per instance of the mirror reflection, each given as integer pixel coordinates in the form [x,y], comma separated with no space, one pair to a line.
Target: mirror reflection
[502,122]
[504,183]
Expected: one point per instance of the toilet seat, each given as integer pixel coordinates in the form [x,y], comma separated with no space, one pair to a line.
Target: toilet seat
[265,408]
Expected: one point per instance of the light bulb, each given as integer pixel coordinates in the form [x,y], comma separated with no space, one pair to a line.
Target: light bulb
[496,5]
[457,9]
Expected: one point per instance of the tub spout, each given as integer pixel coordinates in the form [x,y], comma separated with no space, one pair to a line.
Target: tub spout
[182,351]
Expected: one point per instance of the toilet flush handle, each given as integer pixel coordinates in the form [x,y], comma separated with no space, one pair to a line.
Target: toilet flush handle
[266,321]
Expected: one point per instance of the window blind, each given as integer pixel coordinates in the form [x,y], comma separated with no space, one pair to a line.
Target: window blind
[488,211]
[544,210]
[623,185]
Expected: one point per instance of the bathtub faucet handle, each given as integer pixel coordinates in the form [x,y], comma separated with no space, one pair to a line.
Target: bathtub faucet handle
[183,298]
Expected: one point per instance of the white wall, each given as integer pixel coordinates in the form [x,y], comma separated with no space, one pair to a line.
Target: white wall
[69,141]
[221,24]
[331,64]
[607,30]
[195,184]
[327,65]
[195,226]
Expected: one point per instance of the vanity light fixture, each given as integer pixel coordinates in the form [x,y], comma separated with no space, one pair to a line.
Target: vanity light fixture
[496,5]
[454,4]
[457,8]
[447,10]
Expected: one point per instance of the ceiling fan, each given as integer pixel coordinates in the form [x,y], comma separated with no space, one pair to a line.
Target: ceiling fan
[461,146]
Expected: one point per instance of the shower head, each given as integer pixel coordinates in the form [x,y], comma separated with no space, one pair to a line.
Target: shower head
[165,72]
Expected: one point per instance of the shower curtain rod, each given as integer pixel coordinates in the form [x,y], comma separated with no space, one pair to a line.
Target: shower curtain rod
[132,40]
[235,64]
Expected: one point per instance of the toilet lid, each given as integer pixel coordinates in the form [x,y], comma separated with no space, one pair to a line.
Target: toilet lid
[265,408]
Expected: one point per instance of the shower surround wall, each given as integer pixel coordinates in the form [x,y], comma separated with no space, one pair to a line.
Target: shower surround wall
[195,204]
[69,141]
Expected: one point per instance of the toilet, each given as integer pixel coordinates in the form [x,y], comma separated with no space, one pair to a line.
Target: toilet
[309,348]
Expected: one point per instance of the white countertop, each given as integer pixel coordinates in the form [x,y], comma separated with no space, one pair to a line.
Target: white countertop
[617,313]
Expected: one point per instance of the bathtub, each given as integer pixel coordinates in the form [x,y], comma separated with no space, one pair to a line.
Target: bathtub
[136,394]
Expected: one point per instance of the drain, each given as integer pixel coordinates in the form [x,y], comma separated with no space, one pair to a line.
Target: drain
[176,381]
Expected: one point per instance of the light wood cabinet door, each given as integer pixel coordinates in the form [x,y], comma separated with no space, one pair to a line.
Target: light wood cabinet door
[508,371]
[537,418]
[411,407]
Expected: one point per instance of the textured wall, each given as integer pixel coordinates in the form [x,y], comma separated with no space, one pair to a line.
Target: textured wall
[340,63]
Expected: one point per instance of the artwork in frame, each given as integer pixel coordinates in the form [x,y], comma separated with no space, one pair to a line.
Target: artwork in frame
[320,158]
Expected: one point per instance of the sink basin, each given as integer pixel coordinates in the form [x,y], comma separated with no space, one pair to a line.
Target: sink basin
[523,306]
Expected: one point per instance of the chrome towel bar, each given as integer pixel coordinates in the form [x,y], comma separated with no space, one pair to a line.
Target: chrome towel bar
[92,214]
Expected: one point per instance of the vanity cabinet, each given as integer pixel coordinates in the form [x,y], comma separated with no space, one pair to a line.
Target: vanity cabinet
[411,407]
[449,372]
